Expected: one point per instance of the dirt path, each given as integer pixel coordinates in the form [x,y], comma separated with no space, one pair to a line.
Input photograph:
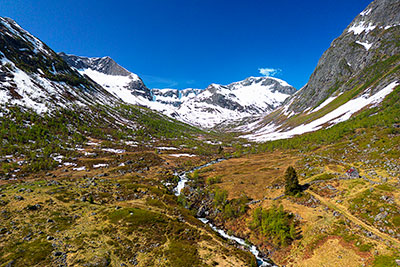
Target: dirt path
[354,219]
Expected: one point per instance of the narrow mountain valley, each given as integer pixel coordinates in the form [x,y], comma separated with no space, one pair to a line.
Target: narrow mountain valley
[97,169]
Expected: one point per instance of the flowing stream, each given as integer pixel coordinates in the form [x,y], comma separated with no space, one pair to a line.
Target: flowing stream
[183,179]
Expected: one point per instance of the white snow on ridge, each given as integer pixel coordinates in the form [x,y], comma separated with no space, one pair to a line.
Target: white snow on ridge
[282,82]
[366,12]
[198,107]
[342,113]
[251,97]
[119,86]
[29,94]
[10,24]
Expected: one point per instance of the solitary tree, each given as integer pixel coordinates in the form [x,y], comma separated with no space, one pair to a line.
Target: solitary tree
[292,186]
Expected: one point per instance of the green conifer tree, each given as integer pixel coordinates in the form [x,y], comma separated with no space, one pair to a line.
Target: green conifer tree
[292,186]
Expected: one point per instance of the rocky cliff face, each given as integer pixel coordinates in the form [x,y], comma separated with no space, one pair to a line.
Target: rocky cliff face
[34,76]
[360,68]
[174,97]
[372,37]
[114,78]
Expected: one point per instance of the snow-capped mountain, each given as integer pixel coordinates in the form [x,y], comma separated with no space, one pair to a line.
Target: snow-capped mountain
[34,76]
[204,108]
[114,78]
[359,70]
[225,104]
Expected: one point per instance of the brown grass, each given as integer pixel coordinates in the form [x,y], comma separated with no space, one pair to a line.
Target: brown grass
[251,174]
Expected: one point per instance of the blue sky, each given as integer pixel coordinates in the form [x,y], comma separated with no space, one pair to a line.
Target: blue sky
[192,43]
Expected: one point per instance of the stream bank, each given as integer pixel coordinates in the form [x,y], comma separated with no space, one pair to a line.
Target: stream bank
[183,179]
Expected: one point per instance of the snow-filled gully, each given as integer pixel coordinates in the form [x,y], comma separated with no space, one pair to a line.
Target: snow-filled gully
[183,179]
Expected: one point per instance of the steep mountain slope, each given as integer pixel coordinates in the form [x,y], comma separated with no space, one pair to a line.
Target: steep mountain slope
[222,104]
[359,69]
[47,107]
[114,78]
[34,76]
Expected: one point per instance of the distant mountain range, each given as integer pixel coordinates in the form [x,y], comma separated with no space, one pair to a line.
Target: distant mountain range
[205,108]
[359,69]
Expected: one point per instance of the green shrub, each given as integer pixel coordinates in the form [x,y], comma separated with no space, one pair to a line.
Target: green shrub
[275,224]
[213,180]
[220,197]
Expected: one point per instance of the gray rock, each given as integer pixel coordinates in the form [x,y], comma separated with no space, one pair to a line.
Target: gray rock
[10,263]
[57,253]
[381,216]
[18,198]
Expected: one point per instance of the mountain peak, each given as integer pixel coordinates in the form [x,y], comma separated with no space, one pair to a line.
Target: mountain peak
[109,74]
[268,83]
[104,65]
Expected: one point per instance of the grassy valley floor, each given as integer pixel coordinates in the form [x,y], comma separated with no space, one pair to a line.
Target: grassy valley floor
[112,208]
[342,221]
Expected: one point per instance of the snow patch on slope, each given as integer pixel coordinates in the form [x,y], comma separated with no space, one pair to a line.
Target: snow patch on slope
[116,85]
[342,113]
[361,27]
[326,102]
[366,45]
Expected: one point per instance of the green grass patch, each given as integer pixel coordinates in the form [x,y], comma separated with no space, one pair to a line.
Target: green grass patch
[27,253]
[385,187]
[136,217]
[323,177]
[182,254]
[384,261]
